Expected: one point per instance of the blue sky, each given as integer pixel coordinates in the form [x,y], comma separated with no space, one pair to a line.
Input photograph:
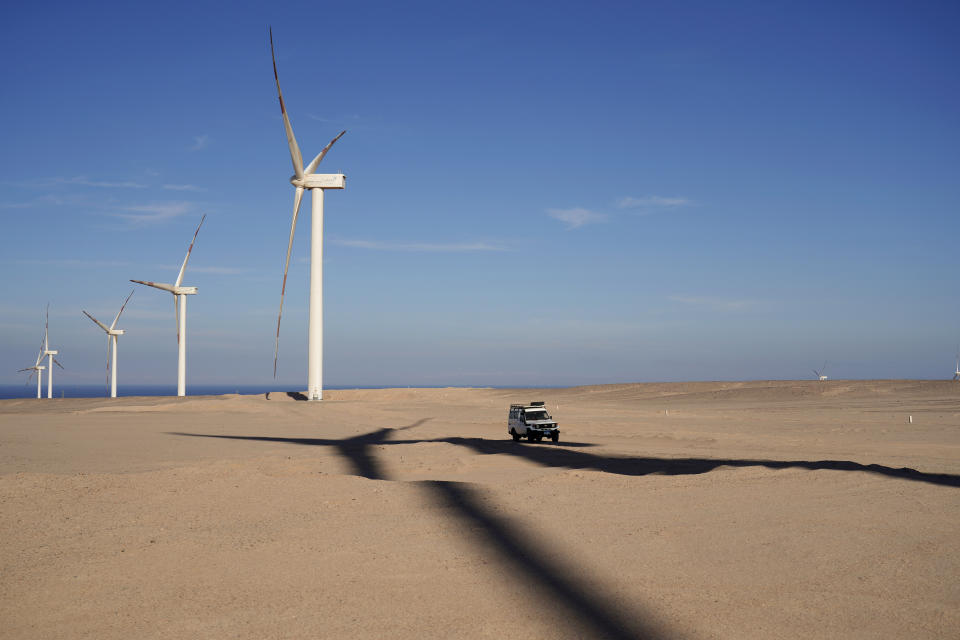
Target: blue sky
[538,193]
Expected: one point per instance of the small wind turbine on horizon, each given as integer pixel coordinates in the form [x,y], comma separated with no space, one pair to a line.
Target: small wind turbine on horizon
[37,370]
[956,374]
[45,352]
[305,178]
[821,375]
[180,294]
[112,334]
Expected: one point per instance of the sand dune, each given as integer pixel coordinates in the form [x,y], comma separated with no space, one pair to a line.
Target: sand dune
[770,509]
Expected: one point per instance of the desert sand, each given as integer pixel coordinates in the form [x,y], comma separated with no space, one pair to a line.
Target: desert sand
[698,510]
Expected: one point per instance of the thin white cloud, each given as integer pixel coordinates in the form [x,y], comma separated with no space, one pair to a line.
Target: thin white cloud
[220,271]
[651,202]
[20,205]
[715,303]
[86,182]
[158,212]
[314,116]
[577,217]
[48,200]
[67,262]
[83,181]
[200,142]
[183,187]
[417,246]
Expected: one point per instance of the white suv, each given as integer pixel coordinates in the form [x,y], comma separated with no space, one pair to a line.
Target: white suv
[533,421]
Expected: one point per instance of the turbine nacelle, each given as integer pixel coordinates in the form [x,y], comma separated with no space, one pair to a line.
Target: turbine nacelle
[320,181]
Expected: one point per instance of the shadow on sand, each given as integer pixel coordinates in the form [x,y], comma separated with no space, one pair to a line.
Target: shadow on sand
[598,617]
[550,456]
[294,395]
[565,456]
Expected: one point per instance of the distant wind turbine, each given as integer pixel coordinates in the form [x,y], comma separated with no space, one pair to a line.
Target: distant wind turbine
[180,308]
[305,178]
[821,375]
[112,334]
[37,369]
[47,352]
[956,374]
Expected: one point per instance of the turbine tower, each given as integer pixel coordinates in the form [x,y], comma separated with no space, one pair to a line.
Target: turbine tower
[112,334]
[305,178]
[49,353]
[956,374]
[37,370]
[180,309]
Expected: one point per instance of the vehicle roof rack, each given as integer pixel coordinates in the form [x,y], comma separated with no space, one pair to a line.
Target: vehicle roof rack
[537,404]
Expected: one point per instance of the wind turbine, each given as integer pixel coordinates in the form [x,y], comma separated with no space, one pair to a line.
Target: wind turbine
[49,353]
[956,374]
[112,334]
[821,376]
[180,308]
[305,178]
[37,369]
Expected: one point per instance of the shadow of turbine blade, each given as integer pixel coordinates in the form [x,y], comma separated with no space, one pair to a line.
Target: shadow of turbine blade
[597,617]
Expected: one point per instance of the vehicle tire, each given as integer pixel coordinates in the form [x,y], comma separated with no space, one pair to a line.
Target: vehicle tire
[516,436]
[532,437]
[555,437]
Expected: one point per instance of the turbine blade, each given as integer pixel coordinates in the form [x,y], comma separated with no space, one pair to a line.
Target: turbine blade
[157,285]
[121,309]
[100,324]
[57,362]
[46,330]
[25,369]
[40,354]
[313,165]
[297,197]
[295,156]
[189,249]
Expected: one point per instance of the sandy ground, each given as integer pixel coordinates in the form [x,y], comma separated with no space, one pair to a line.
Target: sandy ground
[702,510]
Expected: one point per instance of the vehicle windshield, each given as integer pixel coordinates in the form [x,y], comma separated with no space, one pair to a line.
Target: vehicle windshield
[539,414]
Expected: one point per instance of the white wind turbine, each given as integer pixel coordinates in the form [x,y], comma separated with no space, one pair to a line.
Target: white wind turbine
[180,307]
[47,352]
[37,369]
[956,374]
[112,334]
[821,375]
[305,178]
